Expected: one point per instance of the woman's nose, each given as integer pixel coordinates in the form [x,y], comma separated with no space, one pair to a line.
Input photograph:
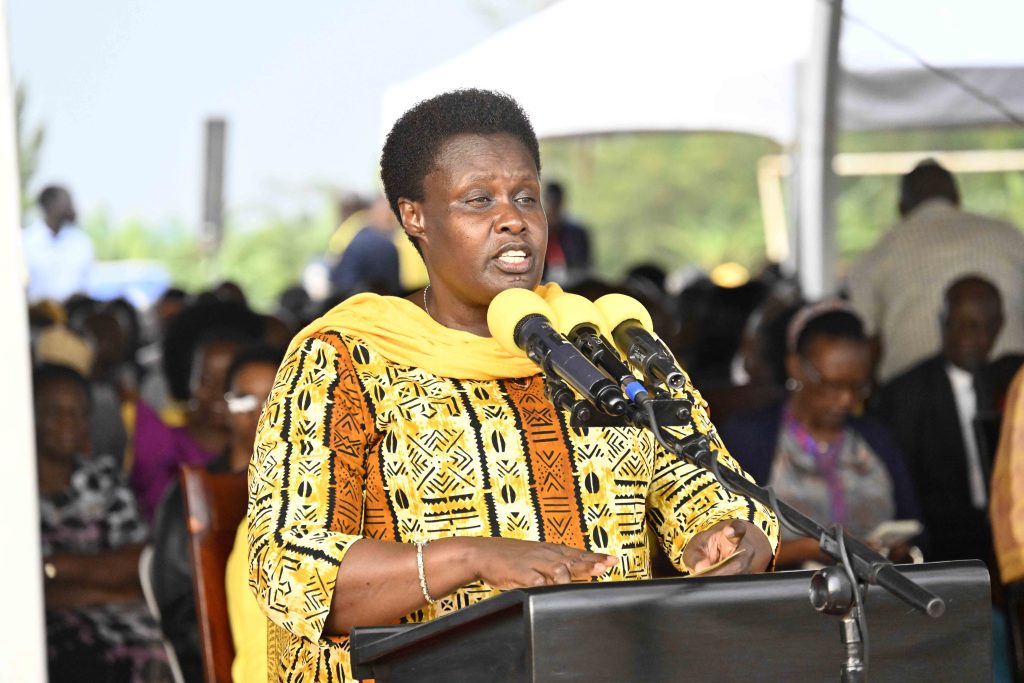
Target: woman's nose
[511,219]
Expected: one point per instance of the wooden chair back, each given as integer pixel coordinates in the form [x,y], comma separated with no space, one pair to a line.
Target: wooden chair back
[215,504]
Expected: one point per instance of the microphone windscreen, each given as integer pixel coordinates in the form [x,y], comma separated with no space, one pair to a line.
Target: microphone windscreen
[618,308]
[507,309]
[572,310]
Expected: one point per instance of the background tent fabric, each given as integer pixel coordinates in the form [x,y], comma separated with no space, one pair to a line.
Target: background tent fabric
[585,67]
[600,66]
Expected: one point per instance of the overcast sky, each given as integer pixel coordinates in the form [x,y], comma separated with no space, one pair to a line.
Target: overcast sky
[123,87]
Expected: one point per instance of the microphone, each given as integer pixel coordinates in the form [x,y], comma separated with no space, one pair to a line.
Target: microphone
[631,330]
[586,328]
[520,321]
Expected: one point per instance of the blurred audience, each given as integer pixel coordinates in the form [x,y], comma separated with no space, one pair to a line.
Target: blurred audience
[568,256]
[713,318]
[897,286]
[154,388]
[758,369]
[132,402]
[160,449]
[230,293]
[815,451]
[354,214]
[57,345]
[295,308]
[113,380]
[944,412]
[59,255]
[246,386]
[369,262]
[251,381]
[97,626]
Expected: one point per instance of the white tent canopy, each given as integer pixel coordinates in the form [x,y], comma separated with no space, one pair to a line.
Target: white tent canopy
[600,66]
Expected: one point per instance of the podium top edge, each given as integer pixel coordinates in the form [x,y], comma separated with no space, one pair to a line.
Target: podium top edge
[374,643]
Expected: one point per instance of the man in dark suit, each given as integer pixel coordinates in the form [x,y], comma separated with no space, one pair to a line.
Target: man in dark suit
[942,412]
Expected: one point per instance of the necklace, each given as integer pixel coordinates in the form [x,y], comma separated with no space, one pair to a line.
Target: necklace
[425,290]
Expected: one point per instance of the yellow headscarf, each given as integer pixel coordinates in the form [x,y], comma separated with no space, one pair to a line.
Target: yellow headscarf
[403,333]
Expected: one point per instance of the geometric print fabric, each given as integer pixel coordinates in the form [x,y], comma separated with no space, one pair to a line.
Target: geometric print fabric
[352,445]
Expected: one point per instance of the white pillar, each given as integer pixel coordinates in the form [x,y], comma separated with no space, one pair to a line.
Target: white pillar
[816,248]
[22,634]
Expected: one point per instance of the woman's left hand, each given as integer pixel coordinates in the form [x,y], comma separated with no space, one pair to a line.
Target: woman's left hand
[722,540]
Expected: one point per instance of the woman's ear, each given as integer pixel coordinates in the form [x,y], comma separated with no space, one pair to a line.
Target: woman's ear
[412,218]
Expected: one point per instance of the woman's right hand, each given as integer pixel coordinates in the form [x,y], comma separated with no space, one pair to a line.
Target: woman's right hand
[378,581]
[506,563]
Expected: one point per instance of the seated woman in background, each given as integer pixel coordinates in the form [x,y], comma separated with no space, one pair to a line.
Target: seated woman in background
[97,625]
[815,451]
[198,351]
[249,379]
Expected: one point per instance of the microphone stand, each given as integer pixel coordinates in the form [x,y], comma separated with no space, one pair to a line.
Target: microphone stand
[559,393]
[837,590]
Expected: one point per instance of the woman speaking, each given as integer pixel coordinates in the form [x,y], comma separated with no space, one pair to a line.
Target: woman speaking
[406,466]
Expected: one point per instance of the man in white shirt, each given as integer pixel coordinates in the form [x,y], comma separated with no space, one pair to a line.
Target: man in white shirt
[58,254]
[897,286]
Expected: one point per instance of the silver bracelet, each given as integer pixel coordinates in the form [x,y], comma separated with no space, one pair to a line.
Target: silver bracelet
[420,545]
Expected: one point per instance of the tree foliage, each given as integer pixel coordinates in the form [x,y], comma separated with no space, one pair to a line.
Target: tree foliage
[678,199]
[30,143]
[264,258]
[671,199]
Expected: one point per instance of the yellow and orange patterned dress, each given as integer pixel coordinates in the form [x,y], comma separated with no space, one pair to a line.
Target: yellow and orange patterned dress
[354,443]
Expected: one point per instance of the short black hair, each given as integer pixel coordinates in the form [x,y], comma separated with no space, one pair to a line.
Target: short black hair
[555,190]
[173,294]
[49,373]
[928,180]
[252,355]
[975,286]
[50,194]
[196,326]
[834,324]
[411,148]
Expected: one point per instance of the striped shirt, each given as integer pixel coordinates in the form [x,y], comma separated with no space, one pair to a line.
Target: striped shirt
[897,286]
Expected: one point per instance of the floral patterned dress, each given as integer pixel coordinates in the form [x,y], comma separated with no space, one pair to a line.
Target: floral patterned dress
[105,643]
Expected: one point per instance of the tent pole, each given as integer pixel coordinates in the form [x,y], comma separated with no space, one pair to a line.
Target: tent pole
[816,253]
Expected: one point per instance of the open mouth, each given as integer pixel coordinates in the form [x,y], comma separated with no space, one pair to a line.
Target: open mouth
[515,259]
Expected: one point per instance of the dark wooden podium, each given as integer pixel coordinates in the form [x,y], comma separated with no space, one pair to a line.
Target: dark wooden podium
[750,628]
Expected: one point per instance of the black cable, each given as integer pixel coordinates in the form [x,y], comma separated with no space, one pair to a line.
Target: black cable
[656,429]
[773,503]
[714,466]
[711,462]
[956,80]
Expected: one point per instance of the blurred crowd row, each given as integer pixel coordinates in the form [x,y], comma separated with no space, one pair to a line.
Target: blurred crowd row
[896,404]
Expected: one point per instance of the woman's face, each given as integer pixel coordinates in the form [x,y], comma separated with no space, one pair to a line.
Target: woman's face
[249,390]
[62,420]
[481,224]
[212,363]
[833,374]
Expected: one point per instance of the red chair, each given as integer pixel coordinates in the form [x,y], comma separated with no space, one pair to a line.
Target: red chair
[215,504]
